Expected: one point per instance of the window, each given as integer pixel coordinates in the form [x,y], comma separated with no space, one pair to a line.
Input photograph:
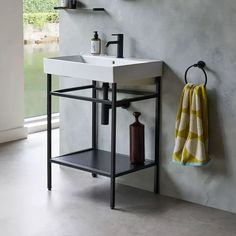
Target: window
[41,33]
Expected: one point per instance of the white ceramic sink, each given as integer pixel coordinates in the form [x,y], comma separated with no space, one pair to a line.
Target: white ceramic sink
[103,68]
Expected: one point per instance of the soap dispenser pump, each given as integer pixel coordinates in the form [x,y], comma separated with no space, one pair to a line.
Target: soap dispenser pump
[95,44]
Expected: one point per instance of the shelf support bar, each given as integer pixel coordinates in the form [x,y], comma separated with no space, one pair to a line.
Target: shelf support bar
[157,135]
[59,94]
[49,132]
[113,146]
[73,89]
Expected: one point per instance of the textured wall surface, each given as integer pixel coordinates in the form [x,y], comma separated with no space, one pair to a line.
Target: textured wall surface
[179,33]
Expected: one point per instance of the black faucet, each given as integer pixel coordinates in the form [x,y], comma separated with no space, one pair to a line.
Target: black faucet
[105,87]
[120,44]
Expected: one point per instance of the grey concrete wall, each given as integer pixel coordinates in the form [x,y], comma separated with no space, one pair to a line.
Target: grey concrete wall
[180,33]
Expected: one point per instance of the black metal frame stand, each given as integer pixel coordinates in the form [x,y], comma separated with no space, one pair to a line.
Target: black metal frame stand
[93,160]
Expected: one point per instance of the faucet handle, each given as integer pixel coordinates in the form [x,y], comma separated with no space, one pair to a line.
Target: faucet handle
[120,37]
[116,34]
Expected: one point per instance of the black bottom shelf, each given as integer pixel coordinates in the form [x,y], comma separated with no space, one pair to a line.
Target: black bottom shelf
[99,162]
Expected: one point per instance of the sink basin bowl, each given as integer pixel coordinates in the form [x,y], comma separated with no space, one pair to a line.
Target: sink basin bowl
[103,68]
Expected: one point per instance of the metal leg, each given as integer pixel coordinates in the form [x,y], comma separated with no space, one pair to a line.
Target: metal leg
[49,132]
[157,134]
[113,147]
[94,121]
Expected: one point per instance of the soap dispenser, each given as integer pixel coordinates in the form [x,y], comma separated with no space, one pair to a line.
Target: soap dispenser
[95,44]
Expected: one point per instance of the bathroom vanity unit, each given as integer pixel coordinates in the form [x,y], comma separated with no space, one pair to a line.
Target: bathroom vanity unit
[107,70]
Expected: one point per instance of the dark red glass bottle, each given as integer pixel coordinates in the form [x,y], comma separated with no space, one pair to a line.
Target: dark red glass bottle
[137,148]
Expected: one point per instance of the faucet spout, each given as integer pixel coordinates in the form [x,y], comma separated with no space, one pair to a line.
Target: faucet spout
[111,42]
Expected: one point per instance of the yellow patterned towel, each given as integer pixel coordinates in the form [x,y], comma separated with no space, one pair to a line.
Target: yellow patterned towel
[191,134]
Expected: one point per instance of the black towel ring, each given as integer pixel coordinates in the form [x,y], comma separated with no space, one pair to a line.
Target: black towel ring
[200,65]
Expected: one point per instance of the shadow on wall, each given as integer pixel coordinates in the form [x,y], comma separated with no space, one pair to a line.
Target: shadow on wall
[172,86]
[218,165]
[217,151]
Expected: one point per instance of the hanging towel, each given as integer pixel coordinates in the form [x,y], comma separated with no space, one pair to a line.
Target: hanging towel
[191,131]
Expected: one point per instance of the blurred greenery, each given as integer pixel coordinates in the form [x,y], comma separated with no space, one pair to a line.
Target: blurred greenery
[39,19]
[36,6]
[39,12]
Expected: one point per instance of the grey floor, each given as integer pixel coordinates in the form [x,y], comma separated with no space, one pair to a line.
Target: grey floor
[78,204]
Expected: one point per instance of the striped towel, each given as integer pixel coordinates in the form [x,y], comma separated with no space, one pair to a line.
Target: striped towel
[191,129]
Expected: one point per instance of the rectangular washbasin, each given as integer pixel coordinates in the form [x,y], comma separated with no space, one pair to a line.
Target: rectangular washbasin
[103,68]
